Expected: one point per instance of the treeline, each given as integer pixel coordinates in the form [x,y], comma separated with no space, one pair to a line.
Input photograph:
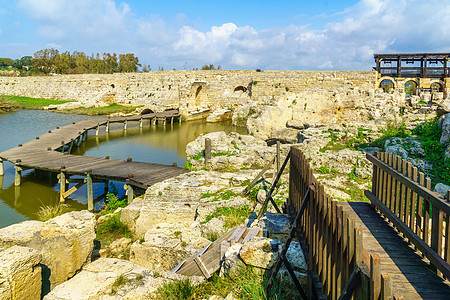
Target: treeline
[48,61]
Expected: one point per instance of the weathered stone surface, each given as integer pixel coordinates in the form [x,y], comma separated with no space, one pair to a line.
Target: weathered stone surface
[181,200]
[20,273]
[219,115]
[445,137]
[65,242]
[277,225]
[441,189]
[231,152]
[119,248]
[284,277]
[296,124]
[165,246]
[231,261]
[261,252]
[98,280]
[296,257]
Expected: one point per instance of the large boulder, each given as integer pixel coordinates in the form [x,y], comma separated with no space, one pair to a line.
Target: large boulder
[261,252]
[65,243]
[276,225]
[164,247]
[445,137]
[111,278]
[442,189]
[20,273]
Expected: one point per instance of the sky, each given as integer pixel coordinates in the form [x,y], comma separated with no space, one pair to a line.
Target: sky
[247,34]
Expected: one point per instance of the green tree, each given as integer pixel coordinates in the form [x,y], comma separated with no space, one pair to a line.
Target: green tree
[6,62]
[128,63]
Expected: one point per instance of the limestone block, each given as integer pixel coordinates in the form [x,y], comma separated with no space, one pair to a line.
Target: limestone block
[130,214]
[441,189]
[20,273]
[231,261]
[277,225]
[154,213]
[261,252]
[219,115]
[165,247]
[445,137]
[65,242]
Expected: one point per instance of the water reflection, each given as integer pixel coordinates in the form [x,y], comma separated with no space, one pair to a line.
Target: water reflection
[156,144]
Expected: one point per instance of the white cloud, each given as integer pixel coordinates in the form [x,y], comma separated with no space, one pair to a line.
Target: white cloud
[368,27]
[53,45]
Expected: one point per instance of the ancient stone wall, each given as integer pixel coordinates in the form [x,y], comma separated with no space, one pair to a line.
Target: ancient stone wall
[189,90]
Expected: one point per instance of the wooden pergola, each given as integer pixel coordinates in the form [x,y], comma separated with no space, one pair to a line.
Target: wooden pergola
[424,65]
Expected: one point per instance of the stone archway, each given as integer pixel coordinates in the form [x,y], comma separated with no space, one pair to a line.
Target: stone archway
[197,95]
[411,86]
[383,83]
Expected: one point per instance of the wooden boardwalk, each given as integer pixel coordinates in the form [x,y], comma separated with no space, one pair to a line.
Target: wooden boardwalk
[411,275]
[51,152]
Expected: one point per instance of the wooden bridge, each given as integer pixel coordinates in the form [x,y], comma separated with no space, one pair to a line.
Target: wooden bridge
[396,247]
[51,152]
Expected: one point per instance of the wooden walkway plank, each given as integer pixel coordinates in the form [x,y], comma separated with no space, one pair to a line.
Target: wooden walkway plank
[35,154]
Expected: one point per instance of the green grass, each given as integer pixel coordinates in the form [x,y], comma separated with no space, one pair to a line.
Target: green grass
[105,110]
[246,283]
[232,216]
[27,102]
[429,134]
[111,230]
[47,212]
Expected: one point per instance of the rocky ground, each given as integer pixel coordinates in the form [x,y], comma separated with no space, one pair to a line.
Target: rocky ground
[176,218]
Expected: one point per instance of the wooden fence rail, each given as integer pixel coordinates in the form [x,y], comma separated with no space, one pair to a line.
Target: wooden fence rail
[335,245]
[403,195]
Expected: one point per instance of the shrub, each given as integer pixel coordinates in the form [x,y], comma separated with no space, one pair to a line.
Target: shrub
[47,212]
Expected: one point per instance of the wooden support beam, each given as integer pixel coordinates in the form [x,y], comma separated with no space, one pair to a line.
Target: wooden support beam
[97,129]
[18,174]
[70,147]
[90,192]
[140,122]
[207,151]
[125,125]
[107,126]
[2,171]
[73,189]
[129,192]
[62,186]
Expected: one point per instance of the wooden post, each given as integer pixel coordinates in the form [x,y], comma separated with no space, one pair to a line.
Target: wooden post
[386,287]
[375,276]
[140,122]
[130,194]
[17,176]
[153,121]
[70,147]
[90,192]
[278,156]
[171,120]
[62,186]
[97,129]
[164,122]
[2,171]
[207,151]
[107,126]
[125,125]
[1,182]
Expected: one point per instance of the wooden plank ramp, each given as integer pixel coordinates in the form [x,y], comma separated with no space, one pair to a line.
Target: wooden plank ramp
[411,274]
[46,153]
[207,260]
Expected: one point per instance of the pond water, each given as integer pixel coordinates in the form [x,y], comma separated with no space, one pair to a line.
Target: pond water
[155,144]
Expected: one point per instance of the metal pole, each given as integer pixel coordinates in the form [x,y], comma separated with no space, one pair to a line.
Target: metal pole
[278,156]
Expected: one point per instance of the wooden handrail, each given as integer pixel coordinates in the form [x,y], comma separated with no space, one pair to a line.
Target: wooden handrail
[434,258]
[434,198]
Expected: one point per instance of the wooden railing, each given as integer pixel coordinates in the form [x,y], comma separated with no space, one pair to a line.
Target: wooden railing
[334,244]
[403,195]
